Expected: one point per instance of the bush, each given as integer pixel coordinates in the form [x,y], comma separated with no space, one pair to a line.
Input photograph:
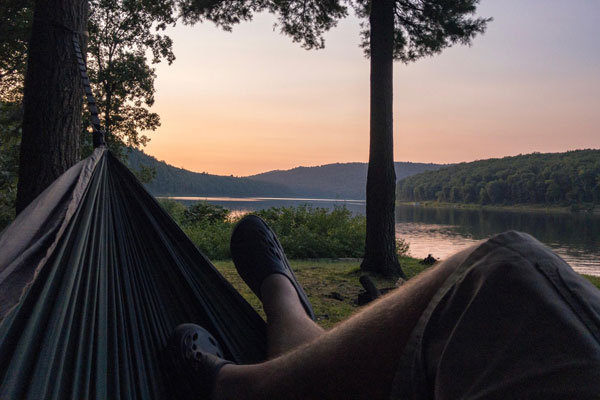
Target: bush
[304,231]
[205,224]
[307,232]
[174,208]
[211,238]
[203,212]
[402,247]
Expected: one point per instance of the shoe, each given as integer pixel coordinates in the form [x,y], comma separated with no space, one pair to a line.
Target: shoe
[195,358]
[257,253]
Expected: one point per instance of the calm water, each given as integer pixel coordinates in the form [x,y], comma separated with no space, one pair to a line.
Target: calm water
[442,232]
[245,204]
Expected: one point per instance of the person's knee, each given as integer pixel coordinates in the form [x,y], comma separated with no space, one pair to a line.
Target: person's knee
[511,257]
[506,319]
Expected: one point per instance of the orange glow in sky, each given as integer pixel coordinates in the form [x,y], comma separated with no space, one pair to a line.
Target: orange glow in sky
[252,101]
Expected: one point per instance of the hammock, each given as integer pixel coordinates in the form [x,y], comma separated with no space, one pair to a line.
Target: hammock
[94,276]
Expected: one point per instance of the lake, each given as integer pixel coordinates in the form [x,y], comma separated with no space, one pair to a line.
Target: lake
[444,231]
[241,205]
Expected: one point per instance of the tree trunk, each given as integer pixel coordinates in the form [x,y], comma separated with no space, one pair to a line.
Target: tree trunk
[380,246]
[53,97]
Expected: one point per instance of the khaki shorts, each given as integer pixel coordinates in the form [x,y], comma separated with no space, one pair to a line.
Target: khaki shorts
[514,321]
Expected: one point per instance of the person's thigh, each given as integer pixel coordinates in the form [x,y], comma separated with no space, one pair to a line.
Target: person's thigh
[513,321]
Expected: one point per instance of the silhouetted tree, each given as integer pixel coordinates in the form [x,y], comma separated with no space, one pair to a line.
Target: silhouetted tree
[52,101]
[15,28]
[121,32]
[402,30]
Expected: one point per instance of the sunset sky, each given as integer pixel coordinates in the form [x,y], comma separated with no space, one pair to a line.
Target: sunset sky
[252,101]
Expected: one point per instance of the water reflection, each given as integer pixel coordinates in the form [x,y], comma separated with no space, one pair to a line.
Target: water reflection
[240,205]
[444,231]
[441,232]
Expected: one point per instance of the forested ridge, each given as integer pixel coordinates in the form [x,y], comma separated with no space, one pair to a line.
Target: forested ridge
[341,180]
[172,181]
[346,181]
[569,178]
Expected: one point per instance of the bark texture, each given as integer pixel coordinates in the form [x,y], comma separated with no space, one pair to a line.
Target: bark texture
[380,245]
[53,97]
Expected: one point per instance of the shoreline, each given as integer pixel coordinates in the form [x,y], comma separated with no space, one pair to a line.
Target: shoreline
[516,207]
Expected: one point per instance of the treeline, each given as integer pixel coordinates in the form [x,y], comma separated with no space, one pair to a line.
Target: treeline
[166,180]
[344,181]
[571,178]
[339,180]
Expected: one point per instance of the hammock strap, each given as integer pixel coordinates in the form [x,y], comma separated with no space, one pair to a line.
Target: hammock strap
[98,133]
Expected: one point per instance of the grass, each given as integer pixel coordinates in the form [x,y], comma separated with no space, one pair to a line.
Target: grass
[594,279]
[321,278]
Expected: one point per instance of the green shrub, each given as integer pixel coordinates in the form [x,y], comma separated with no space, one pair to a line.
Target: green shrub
[211,238]
[402,247]
[174,208]
[203,212]
[304,231]
[307,232]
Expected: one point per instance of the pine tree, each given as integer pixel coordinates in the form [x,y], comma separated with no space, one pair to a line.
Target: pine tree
[403,30]
[121,32]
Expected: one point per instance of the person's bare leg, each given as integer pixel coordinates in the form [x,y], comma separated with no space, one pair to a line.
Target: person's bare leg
[288,325]
[357,359]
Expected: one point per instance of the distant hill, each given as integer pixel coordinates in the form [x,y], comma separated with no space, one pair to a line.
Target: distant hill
[344,181]
[568,178]
[173,181]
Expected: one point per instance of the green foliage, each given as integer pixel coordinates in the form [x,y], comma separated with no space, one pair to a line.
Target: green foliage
[10,138]
[145,174]
[121,35]
[402,247]
[207,225]
[211,238]
[304,21]
[304,232]
[174,208]
[202,212]
[571,178]
[421,27]
[122,32]
[15,26]
[426,27]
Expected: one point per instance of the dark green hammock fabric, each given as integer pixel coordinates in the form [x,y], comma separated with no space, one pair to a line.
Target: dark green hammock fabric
[94,276]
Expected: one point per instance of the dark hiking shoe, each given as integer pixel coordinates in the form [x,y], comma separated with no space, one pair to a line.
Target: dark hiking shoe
[257,253]
[194,359]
